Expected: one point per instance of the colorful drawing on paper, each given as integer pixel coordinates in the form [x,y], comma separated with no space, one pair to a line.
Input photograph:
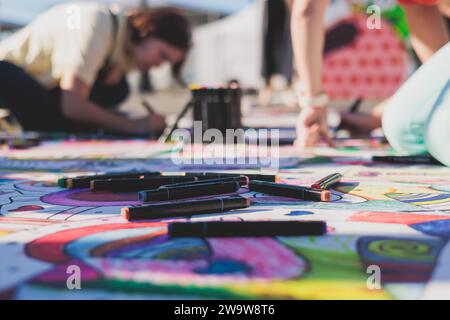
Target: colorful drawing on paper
[396,218]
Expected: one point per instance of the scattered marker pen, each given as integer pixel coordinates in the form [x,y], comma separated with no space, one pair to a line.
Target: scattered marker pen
[136,184]
[184,208]
[418,159]
[242,180]
[217,175]
[327,182]
[290,191]
[167,193]
[84,181]
[247,229]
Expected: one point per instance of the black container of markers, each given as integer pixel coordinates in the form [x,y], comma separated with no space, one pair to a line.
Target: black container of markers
[217,108]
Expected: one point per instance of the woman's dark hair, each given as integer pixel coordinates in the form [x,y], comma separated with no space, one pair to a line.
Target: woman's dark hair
[166,24]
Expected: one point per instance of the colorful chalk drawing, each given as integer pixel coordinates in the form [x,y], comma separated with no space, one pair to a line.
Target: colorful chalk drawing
[139,258]
[91,149]
[141,254]
[396,218]
[438,228]
[394,257]
[432,201]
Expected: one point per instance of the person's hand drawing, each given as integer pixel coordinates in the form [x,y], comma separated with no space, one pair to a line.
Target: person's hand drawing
[154,123]
[312,125]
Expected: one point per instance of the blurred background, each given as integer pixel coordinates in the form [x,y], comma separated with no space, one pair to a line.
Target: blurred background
[249,41]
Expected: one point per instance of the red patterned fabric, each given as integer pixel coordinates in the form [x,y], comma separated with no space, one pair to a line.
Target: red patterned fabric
[372,67]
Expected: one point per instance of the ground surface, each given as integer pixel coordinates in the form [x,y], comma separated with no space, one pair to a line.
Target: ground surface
[394,218]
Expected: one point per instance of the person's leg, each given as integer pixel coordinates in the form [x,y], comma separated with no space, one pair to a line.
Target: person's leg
[360,123]
[437,134]
[406,117]
[34,107]
[110,96]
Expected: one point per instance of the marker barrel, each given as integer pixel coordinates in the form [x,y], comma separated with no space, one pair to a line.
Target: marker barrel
[289,191]
[167,193]
[217,175]
[247,228]
[85,181]
[183,208]
[136,184]
[242,180]
[327,182]
[417,159]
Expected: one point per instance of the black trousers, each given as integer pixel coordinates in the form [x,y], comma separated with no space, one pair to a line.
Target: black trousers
[39,109]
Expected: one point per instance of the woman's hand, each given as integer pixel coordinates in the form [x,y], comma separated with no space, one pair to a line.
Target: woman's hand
[311,126]
[151,124]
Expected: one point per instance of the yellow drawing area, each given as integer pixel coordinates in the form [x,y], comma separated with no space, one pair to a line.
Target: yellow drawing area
[370,191]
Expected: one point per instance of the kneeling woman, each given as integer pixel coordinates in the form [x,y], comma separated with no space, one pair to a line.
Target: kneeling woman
[417,118]
[64,72]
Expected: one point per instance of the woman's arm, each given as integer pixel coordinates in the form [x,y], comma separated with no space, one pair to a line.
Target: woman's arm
[308,35]
[76,106]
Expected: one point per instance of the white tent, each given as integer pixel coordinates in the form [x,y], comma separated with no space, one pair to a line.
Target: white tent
[230,48]
[13,10]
